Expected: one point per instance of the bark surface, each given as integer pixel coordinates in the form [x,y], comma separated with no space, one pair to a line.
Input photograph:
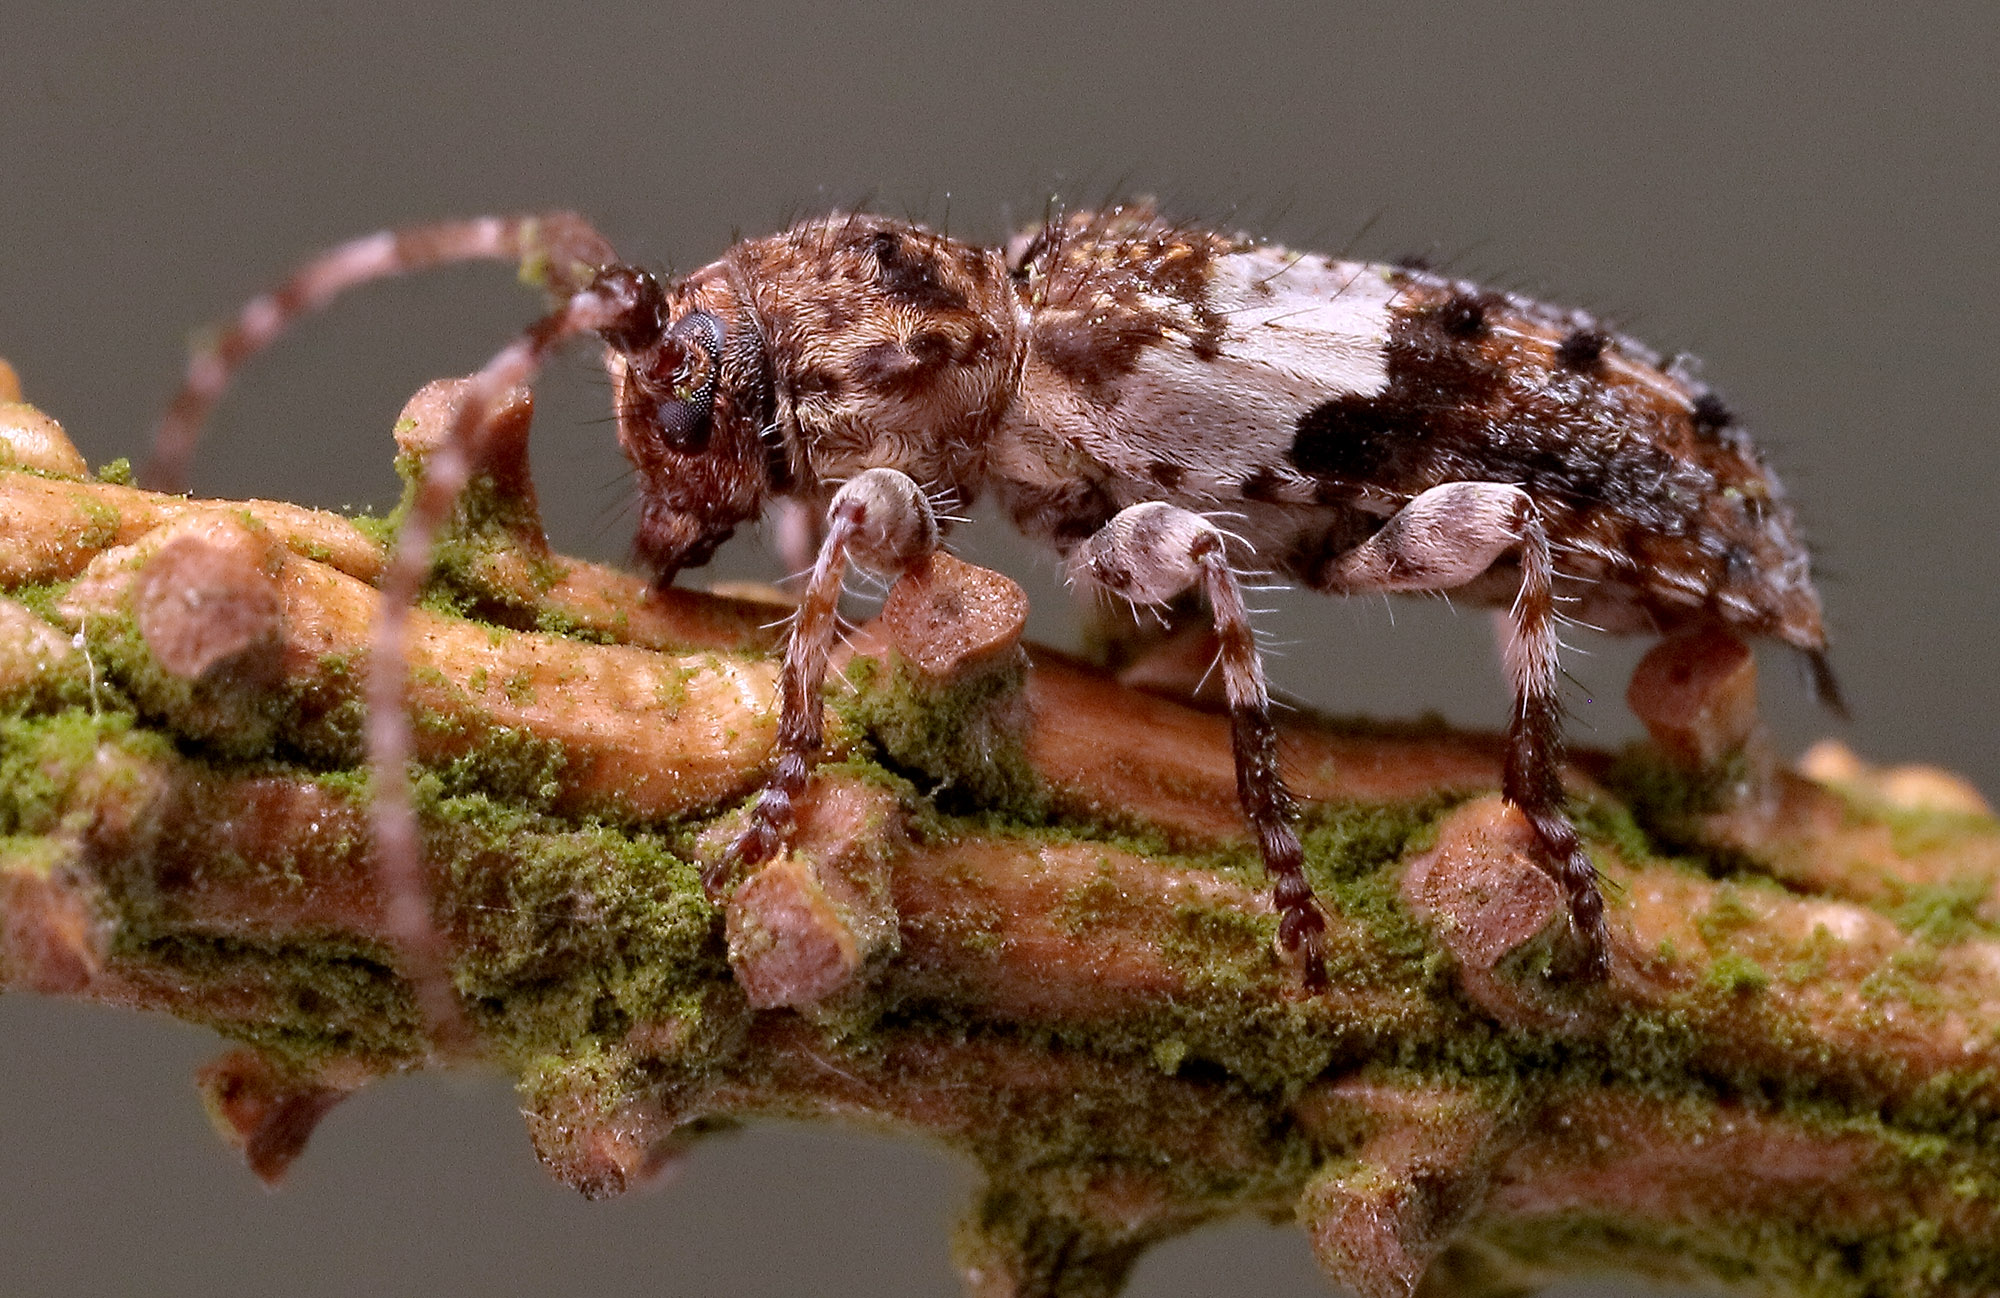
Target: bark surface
[1021,919]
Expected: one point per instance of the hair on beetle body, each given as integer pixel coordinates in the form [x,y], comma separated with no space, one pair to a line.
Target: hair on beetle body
[1119,383]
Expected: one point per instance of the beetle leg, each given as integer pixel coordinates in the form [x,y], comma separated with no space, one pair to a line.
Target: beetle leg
[880,520]
[1446,537]
[1150,553]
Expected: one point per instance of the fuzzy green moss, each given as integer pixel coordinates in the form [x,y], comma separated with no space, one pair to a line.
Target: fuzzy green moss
[325,717]
[487,522]
[1228,1021]
[42,759]
[1734,973]
[587,930]
[313,1003]
[1759,1259]
[1914,831]
[35,855]
[567,934]
[380,529]
[511,764]
[1010,1230]
[1944,912]
[101,522]
[1921,831]
[41,598]
[1666,801]
[235,715]
[962,741]
[571,934]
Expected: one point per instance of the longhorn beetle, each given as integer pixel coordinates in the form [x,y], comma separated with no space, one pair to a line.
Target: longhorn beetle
[1170,408]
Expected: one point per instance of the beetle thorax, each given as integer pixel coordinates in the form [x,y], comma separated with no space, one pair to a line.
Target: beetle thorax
[890,346]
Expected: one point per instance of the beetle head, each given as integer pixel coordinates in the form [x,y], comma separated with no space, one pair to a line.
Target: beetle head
[692,391]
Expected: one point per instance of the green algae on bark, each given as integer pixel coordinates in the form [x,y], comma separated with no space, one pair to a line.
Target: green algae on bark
[1790,1085]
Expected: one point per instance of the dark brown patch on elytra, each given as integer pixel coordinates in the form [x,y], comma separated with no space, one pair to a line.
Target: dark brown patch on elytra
[1435,378]
[1067,511]
[1348,439]
[981,341]
[899,365]
[1263,483]
[1581,349]
[1451,412]
[910,272]
[1093,355]
[930,347]
[1463,315]
[1102,287]
[1710,416]
[1313,550]
[817,383]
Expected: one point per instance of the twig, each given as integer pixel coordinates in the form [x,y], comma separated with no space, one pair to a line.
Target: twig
[1021,917]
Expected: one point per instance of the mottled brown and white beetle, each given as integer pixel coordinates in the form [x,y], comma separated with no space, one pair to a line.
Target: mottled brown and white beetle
[1171,409]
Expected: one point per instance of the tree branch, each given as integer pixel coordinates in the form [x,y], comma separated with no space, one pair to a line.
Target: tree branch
[1021,918]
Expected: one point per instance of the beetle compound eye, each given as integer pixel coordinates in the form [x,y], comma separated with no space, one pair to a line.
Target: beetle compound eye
[701,329]
[694,376]
[683,418]
[682,424]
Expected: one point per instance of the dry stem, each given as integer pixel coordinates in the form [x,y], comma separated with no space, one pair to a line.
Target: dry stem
[1021,918]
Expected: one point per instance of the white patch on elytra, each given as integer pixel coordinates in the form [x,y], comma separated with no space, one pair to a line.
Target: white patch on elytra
[1297,332]
[1325,322]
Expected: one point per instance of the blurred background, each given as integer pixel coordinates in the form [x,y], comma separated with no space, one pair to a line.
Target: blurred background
[1802,195]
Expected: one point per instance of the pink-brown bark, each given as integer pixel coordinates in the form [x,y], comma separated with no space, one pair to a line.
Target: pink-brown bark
[1068,974]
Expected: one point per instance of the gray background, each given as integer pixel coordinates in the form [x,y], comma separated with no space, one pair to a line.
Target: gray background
[1802,195]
